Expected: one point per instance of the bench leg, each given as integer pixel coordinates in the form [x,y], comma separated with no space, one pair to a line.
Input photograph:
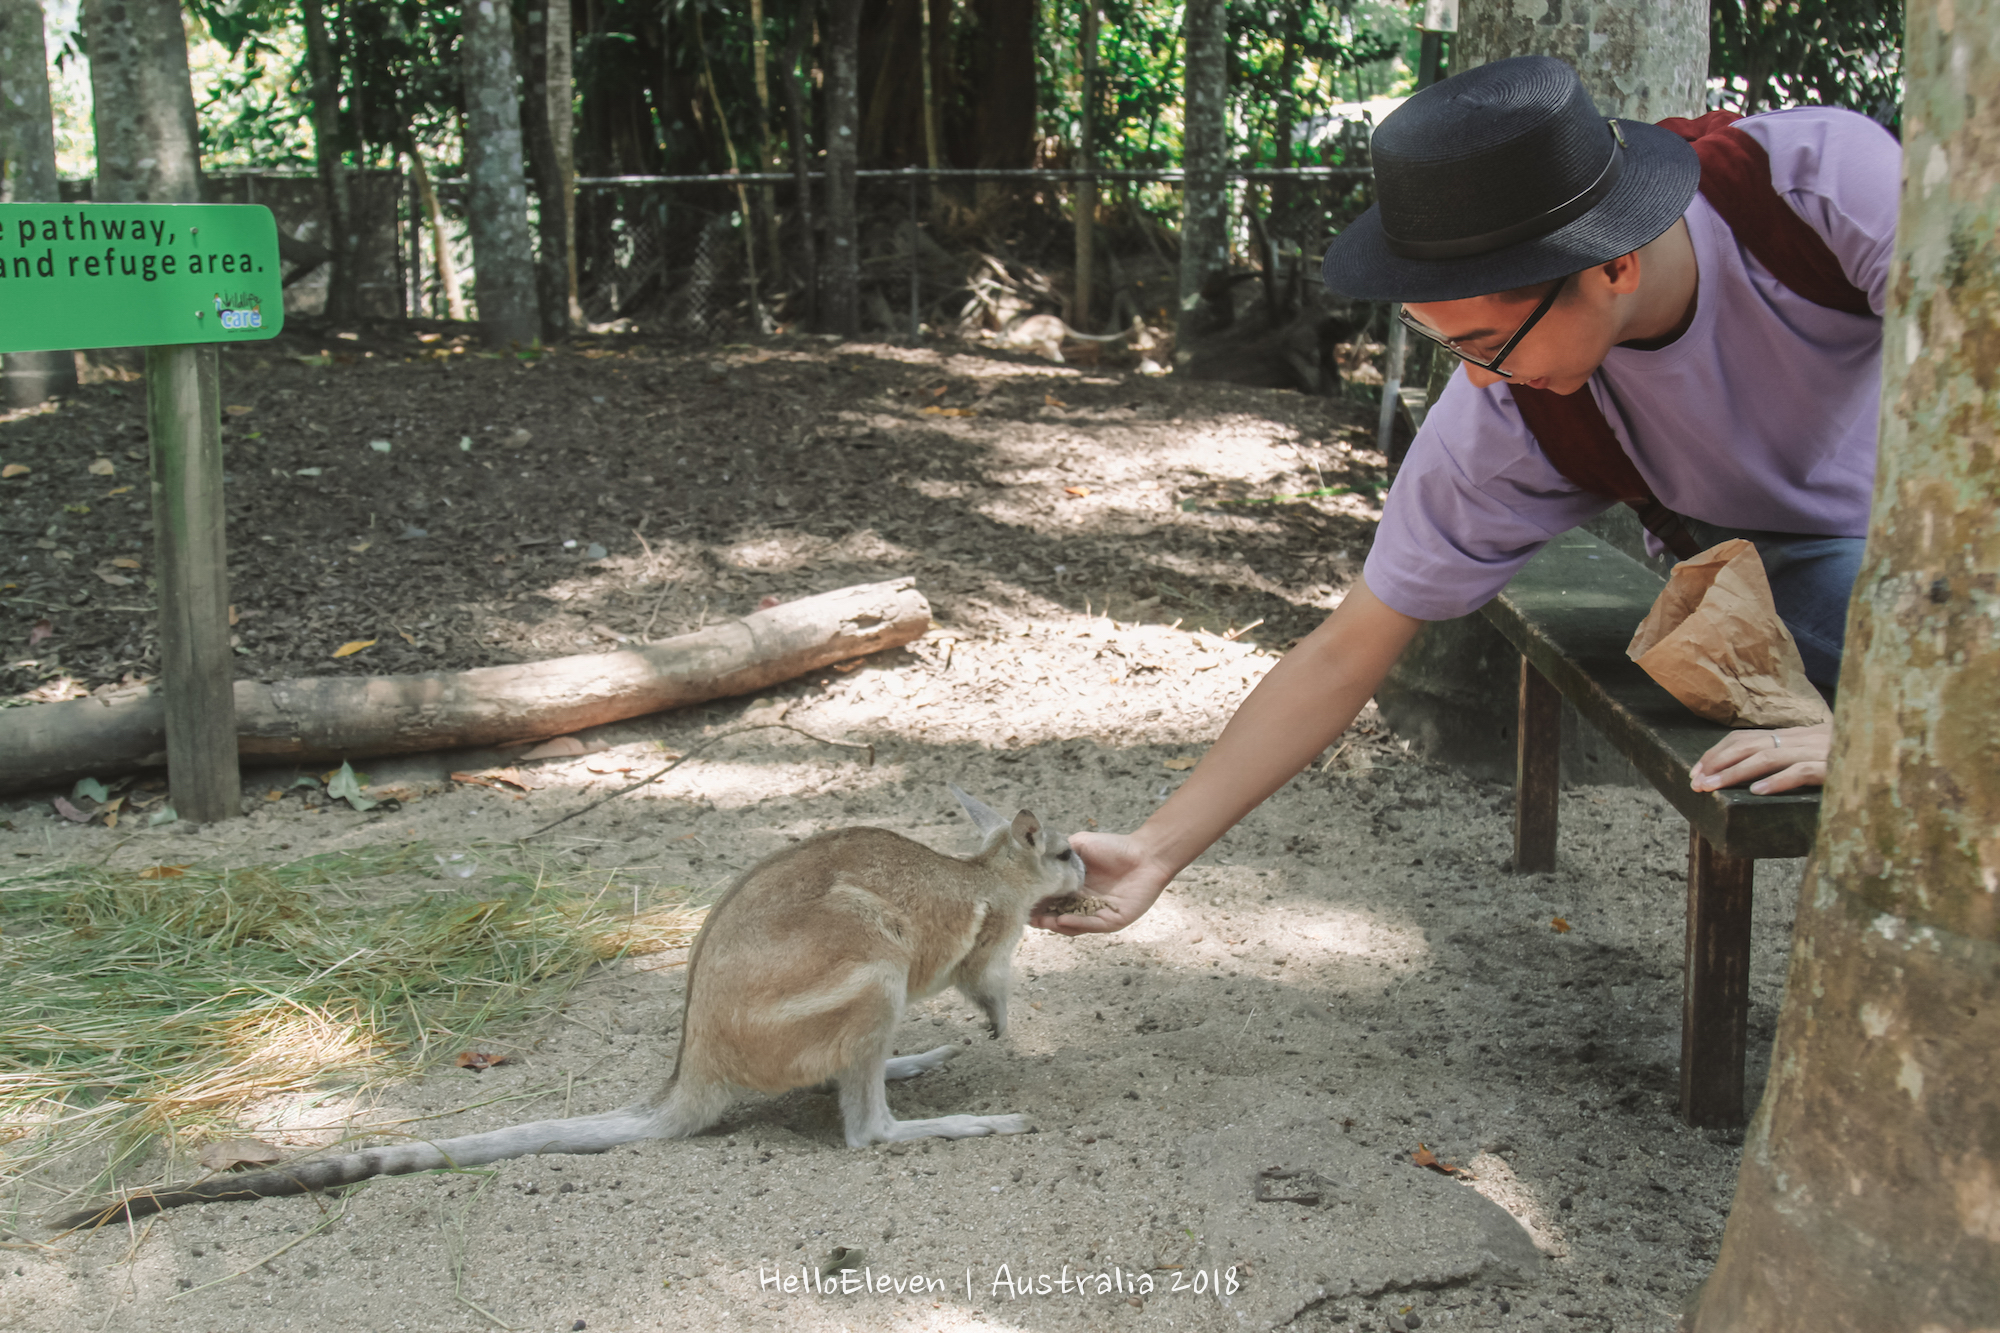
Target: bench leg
[1537,772]
[1715,1007]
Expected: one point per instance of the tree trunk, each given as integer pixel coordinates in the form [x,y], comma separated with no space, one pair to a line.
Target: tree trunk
[441,260]
[767,160]
[28,175]
[797,103]
[1084,199]
[503,256]
[329,718]
[1869,1197]
[1003,92]
[1205,149]
[324,69]
[1640,59]
[141,104]
[843,126]
[546,102]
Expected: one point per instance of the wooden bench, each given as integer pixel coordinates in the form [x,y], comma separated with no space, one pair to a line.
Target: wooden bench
[1571,611]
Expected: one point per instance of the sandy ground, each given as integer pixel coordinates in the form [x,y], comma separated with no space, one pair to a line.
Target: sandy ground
[1348,975]
[1229,1095]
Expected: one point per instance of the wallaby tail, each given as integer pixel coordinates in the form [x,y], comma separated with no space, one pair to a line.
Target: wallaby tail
[677,1113]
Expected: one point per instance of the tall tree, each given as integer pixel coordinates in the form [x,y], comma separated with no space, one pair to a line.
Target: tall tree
[798,105]
[28,173]
[1003,91]
[1640,59]
[1869,1196]
[141,104]
[1205,148]
[842,44]
[503,256]
[548,101]
[324,94]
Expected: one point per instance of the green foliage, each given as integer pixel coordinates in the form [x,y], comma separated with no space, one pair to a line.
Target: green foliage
[1797,52]
[1288,63]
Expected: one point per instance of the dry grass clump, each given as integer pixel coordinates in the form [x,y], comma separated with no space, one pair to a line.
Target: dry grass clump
[169,1001]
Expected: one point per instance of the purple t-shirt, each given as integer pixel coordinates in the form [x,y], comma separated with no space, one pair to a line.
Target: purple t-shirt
[1761,416]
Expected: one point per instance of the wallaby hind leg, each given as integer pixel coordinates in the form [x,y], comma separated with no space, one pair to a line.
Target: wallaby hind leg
[864,1105]
[909,1066]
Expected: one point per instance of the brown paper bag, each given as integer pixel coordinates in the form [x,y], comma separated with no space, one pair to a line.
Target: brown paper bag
[1714,641]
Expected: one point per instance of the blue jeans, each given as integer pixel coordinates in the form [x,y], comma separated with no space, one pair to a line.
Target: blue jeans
[1812,579]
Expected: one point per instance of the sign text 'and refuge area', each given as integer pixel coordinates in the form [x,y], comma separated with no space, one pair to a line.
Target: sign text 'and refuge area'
[137,275]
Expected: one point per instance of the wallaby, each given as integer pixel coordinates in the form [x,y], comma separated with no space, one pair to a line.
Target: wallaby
[798,978]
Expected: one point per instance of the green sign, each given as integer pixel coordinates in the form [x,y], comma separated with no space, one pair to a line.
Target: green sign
[137,275]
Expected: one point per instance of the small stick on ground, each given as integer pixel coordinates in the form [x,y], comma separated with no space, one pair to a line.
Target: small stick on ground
[692,752]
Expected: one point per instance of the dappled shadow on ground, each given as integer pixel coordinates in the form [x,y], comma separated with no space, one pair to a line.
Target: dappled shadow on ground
[465,510]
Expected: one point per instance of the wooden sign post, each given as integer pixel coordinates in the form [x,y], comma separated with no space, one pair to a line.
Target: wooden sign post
[175,279]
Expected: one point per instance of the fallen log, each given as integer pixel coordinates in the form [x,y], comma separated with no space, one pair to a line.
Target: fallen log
[354,717]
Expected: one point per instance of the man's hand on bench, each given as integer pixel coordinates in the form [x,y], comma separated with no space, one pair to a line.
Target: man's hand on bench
[1777,760]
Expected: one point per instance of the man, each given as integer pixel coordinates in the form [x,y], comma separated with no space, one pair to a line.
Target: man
[1570,264]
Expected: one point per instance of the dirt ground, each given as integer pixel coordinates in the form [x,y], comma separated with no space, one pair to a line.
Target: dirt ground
[1350,975]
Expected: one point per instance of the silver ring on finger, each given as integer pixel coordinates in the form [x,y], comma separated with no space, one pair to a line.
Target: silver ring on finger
[1775,742]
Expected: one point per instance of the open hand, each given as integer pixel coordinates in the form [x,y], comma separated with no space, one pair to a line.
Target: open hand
[1118,874]
[1777,760]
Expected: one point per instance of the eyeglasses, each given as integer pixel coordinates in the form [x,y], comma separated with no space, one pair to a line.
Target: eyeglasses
[1506,349]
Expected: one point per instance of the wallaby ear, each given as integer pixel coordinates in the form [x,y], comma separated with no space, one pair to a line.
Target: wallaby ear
[984,817]
[1027,828]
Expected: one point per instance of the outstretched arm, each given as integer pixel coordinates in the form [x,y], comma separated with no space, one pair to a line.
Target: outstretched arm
[1309,698]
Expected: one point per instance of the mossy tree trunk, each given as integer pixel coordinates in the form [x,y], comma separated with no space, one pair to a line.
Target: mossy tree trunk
[28,174]
[503,256]
[842,47]
[1205,148]
[1869,1197]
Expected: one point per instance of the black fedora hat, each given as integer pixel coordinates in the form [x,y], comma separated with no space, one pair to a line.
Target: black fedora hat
[1504,176]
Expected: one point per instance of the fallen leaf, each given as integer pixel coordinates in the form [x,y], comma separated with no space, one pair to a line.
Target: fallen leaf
[1053,401]
[1180,765]
[112,577]
[70,812]
[519,438]
[478,1060]
[603,766]
[165,872]
[362,547]
[948,412]
[232,1153]
[939,391]
[127,562]
[345,785]
[237,410]
[274,795]
[353,646]
[13,470]
[1560,926]
[407,638]
[102,467]
[1078,491]
[116,490]
[561,747]
[41,629]
[1426,1158]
